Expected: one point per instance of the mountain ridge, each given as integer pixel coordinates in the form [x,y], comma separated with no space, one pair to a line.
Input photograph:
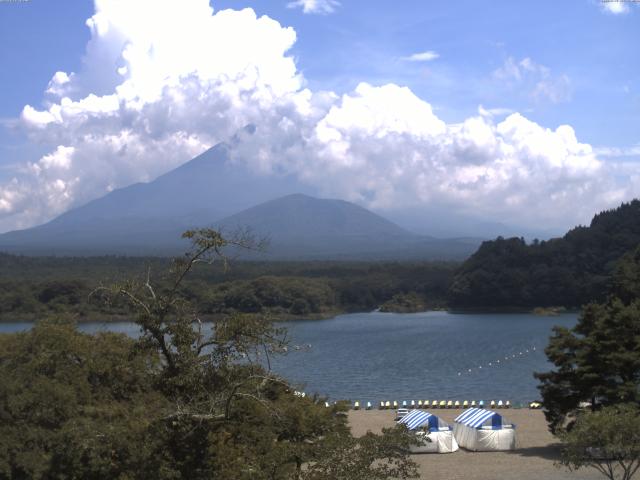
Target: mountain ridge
[214,189]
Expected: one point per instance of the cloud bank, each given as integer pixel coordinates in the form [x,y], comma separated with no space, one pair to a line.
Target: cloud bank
[156,90]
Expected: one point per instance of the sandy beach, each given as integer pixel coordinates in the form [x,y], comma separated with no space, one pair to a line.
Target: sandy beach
[534,458]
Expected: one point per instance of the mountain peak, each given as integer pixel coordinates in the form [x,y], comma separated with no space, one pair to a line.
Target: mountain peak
[211,189]
[302,216]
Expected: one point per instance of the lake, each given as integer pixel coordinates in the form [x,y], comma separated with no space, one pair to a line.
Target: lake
[385,356]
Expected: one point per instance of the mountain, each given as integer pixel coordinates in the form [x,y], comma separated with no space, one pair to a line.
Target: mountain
[303,216]
[568,271]
[303,227]
[148,218]
[215,190]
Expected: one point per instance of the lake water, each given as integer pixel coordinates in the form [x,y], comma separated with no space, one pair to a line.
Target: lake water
[384,356]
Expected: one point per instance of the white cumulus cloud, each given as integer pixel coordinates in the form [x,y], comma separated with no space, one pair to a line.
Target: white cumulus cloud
[384,147]
[182,79]
[156,90]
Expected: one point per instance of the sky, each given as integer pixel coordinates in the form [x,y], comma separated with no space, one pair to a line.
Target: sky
[525,113]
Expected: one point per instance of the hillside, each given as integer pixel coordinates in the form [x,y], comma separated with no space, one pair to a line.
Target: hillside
[302,216]
[568,271]
[214,189]
[303,227]
[148,218]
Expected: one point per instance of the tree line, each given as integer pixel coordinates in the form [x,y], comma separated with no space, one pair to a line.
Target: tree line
[33,287]
[569,271]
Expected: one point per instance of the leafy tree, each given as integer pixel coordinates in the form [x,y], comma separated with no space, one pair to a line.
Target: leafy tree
[404,303]
[359,459]
[598,360]
[607,440]
[74,403]
[626,281]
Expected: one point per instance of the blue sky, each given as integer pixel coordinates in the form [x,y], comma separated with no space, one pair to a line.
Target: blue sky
[364,40]
[554,63]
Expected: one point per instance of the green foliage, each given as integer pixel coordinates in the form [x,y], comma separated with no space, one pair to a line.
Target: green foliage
[275,295]
[73,402]
[626,279]
[597,361]
[607,440]
[33,287]
[357,458]
[180,402]
[568,271]
[404,303]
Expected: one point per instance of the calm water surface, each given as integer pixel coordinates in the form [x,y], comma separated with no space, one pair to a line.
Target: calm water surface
[385,356]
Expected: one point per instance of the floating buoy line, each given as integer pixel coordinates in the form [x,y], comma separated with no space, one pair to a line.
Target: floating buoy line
[402,406]
[506,359]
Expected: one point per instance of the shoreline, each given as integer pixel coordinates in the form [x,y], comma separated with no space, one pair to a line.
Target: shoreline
[280,318]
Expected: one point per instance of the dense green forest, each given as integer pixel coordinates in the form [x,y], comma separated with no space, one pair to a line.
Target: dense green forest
[568,271]
[32,287]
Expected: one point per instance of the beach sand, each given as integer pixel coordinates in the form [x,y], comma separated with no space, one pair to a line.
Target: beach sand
[534,458]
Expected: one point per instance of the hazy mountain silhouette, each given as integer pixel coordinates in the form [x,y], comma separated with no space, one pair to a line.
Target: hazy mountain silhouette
[147,218]
[212,190]
[300,226]
[302,216]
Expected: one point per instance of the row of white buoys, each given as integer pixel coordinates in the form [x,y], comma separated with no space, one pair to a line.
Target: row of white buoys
[499,361]
[387,405]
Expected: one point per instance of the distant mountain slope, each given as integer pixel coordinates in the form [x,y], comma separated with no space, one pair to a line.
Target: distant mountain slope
[147,218]
[300,226]
[301,216]
[568,271]
[213,190]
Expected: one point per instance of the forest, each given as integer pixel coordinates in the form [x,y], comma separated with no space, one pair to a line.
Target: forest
[568,271]
[504,274]
[32,287]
